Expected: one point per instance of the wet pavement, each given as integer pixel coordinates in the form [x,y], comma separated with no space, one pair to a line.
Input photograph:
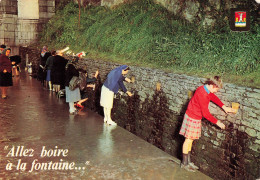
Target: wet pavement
[40,140]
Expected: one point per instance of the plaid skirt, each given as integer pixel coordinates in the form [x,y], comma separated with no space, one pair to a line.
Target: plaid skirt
[191,128]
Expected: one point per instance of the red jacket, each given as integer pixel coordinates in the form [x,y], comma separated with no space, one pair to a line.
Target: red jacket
[198,105]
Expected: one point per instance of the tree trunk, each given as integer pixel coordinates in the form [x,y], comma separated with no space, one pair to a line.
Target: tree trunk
[79,2]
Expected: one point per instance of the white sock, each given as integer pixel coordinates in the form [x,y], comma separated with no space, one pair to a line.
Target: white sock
[72,108]
[109,114]
[105,114]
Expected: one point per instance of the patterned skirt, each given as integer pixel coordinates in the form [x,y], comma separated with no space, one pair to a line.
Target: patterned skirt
[191,128]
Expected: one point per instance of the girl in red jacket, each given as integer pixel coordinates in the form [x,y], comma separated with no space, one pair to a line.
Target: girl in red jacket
[198,108]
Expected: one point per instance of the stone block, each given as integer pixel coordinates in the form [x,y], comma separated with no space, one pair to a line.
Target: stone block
[175,90]
[220,117]
[43,3]
[256,90]
[206,134]
[256,104]
[11,27]
[253,95]
[241,128]
[43,15]
[1,36]
[251,132]
[9,35]
[255,147]
[51,9]
[43,9]
[9,20]
[248,123]
[51,3]
[216,143]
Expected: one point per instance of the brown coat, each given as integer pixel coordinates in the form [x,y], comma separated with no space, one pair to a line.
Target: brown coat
[5,63]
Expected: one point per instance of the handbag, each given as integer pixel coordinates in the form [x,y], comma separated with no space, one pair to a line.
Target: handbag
[82,81]
[74,83]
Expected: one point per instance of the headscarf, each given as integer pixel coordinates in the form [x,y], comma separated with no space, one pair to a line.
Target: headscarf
[114,75]
[44,50]
[4,51]
[3,46]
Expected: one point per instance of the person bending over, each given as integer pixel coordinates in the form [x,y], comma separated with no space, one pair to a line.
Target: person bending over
[198,108]
[110,87]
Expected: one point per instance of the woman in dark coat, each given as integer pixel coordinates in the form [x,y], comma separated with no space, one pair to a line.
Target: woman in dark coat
[5,72]
[48,67]
[58,72]
[43,58]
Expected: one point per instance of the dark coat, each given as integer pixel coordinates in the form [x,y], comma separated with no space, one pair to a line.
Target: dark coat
[41,72]
[5,63]
[58,70]
[5,78]
[70,72]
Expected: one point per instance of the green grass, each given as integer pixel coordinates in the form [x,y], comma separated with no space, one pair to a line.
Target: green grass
[146,34]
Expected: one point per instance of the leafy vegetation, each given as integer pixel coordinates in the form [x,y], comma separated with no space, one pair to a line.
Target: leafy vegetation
[144,33]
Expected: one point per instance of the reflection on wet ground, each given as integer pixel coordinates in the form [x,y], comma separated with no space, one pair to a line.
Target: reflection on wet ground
[40,140]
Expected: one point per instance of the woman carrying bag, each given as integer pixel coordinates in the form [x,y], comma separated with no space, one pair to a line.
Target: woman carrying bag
[72,96]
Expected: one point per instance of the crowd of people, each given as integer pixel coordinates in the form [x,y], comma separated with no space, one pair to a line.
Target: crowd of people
[56,73]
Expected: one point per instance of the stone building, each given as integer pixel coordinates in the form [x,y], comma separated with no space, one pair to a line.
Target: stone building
[22,20]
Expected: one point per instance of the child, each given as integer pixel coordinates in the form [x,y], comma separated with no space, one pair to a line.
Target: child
[198,108]
[85,82]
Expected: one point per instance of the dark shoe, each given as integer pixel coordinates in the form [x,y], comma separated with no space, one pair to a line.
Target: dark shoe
[187,167]
[190,163]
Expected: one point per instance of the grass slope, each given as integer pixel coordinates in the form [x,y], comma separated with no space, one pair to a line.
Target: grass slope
[146,34]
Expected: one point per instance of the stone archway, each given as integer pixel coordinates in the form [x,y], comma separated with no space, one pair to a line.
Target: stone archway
[22,20]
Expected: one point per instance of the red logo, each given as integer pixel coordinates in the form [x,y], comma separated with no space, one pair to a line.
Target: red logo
[240,19]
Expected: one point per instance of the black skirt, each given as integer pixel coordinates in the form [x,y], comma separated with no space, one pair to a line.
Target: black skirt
[6,79]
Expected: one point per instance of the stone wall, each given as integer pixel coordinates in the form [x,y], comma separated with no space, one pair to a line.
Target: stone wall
[156,116]
[207,13]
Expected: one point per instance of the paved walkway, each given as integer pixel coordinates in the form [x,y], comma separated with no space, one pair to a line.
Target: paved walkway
[40,140]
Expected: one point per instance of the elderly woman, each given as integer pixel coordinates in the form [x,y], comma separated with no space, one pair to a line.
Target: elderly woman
[58,71]
[198,108]
[41,71]
[5,72]
[48,66]
[111,86]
